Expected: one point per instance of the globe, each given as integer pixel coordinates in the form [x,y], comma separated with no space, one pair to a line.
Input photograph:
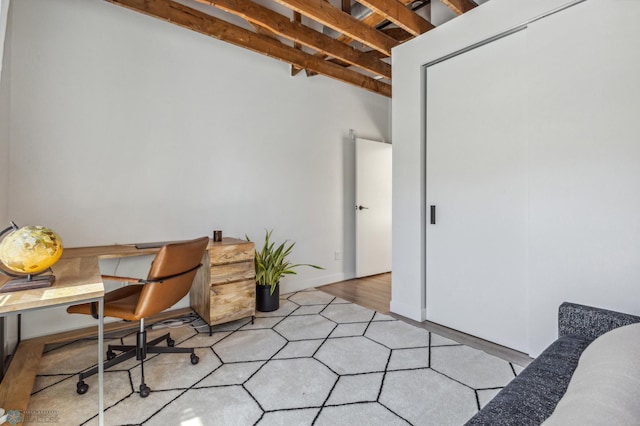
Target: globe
[30,249]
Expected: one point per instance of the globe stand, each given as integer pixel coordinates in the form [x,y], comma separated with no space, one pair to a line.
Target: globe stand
[27,282]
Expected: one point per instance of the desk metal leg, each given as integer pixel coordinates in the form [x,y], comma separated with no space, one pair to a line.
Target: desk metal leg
[3,364]
[5,359]
[101,360]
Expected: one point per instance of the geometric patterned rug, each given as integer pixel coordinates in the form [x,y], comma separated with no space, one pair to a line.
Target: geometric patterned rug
[318,360]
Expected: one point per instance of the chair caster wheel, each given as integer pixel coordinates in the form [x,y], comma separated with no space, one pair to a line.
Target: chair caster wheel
[82,387]
[194,359]
[170,342]
[110,355]
[144,391]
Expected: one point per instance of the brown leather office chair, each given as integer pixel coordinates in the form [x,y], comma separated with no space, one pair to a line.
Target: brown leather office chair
[169,280]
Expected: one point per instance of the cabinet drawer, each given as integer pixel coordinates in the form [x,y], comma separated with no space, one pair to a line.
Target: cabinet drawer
[232,301]
[231,253]
[232,272]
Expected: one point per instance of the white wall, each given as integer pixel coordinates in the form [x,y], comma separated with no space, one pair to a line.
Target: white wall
[596,173]
[4,115]
[4,145]
[126,128]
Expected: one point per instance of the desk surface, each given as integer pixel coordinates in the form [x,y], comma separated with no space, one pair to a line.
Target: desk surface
[77,279]
[127,250]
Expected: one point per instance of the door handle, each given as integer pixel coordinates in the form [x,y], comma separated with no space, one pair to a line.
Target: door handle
[362,208]
[433,215]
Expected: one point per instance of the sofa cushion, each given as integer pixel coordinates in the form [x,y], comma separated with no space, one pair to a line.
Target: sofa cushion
[605,387]
[532,396]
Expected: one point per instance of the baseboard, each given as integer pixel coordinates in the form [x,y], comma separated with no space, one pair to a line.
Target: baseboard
[408,311]
[304,285]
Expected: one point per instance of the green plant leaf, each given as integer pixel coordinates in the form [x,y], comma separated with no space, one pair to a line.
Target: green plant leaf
[271,262]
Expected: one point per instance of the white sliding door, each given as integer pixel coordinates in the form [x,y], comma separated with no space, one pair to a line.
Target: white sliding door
[585,163]
[476,177]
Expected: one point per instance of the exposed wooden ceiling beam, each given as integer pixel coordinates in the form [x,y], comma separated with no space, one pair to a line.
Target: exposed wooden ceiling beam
[400,15]
[372,20]
[459,6]
[397,33]
[346,6]
[200,22]
[299,33]
[326,14]
[298,19]
[375,52]
[263,30]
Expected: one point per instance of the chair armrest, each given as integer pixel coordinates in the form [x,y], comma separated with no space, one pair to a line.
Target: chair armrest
[123,279]
[590,322]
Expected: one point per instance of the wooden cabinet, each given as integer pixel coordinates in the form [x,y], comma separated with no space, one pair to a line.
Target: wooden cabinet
[226,289]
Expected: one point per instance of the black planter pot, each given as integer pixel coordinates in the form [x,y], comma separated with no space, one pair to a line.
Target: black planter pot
[266,302]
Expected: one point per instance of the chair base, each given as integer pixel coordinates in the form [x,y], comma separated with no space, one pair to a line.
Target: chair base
[140,351]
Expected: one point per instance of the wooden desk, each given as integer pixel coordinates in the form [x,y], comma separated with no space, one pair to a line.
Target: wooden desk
[77,280]
[225,289]
[228,265]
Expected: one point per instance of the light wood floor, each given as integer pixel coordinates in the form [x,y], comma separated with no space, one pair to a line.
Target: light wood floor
[374,292]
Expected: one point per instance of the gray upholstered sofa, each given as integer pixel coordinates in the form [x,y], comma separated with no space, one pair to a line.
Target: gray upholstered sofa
[531,397]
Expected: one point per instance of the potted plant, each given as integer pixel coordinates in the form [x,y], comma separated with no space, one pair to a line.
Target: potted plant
[271,265]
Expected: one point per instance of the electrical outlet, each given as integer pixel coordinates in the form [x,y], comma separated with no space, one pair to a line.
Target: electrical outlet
[337,255]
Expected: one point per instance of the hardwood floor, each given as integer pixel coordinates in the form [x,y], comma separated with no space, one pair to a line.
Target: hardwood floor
[374,292]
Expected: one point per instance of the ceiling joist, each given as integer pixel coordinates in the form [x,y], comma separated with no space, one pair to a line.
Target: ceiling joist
[356,55]
[399,14]
[332,17]
[203,23]
[459,6]
[298,19]
[373,20]
[299,33]
[397,33]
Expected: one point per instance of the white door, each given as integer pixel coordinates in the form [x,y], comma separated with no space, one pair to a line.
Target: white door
[476,192]
[373,207]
